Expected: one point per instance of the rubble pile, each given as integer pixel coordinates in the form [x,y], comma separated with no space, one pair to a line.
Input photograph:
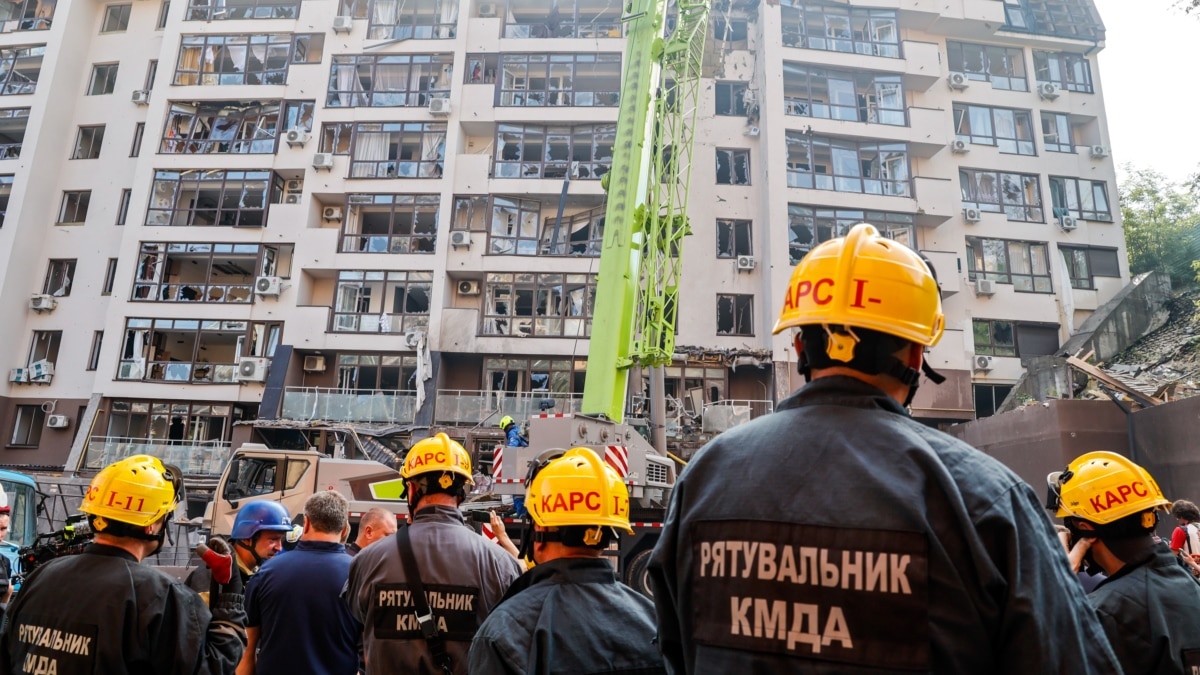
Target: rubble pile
[1166,363]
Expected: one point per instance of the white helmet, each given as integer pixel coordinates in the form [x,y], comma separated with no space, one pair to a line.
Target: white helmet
[4,501]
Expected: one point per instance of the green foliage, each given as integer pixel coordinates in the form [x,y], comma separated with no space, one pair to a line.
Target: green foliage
[1162,225]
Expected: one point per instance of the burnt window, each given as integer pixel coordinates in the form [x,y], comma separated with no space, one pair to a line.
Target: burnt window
[735,314]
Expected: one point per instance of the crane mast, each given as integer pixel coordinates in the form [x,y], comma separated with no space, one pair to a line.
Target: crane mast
[637,288]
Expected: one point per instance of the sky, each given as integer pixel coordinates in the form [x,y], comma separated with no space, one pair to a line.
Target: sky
[1150,95]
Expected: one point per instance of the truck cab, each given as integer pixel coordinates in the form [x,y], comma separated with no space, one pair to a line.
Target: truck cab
[22,500]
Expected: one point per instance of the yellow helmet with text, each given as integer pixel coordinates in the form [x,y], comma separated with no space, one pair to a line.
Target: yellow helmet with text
[137,490]
[1103,487]
[437,454]
[578,488]
[865,280]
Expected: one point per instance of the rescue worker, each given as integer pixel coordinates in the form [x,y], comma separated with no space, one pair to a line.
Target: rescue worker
[1149,605]
[840,535]
[512,433]
[463,574]
[258,534]
[569,614]
[103,612]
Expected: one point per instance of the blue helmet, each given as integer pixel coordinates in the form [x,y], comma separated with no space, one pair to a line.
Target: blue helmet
[258,516]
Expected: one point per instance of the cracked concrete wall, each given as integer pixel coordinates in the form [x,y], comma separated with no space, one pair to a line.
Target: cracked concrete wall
[1138,309]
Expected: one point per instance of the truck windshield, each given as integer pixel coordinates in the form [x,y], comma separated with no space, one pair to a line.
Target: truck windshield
[21,499]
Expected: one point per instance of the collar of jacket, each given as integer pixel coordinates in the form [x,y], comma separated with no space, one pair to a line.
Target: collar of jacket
[110,551]
[565,571]
[309,545]
[439,513]
[842,390]
[1149,554]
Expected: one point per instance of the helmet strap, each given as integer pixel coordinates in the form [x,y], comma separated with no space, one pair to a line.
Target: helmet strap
[253,548]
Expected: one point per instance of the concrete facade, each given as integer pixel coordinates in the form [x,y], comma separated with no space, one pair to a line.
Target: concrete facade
[424,250]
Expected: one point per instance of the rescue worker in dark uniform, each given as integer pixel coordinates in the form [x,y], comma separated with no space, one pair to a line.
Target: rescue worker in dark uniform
[257,535]
[1149,605]
[569,614]
[103,612]
[463,574]
[839,535]
[512,433]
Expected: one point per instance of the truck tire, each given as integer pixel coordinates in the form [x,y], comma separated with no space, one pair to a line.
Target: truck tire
[637,575]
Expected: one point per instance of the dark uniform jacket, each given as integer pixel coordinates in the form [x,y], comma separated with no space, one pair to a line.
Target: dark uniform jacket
[464,576]
[102,612]
[1151,612]
[568,616]
[839,535]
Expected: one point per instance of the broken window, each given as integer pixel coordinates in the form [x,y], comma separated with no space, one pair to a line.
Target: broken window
[45,346]
[481,68]
[398,150]
[28,421]
[20,68]
[1017,195]
[1072,72]
[214,197]
[1074,19]
[390,224]
[370,373]
[1084,263]
[1011,131]
[335,137]
[74,207]
[857,96]
[993,337]
[731,98]
[6,183]
[196,272]
[26,15]
[1004,67]
[413,20]
[733,167]
[221,127]
[1023,264]
[583,80]
[563,19]
[358,9]
[160,421]
[733,238]
[536,151]
[690,388]
[846,166]
[219,10]
[13,122]
[514,226]
[541,305]
[1056,132]
[735,314]
[1081,198]
[192,350]
[389,80]
[208,60]
[732,31]
[579,233]
[470,213]
[59,275]
[811,225]
[520,375]
[381,302]
[856,30]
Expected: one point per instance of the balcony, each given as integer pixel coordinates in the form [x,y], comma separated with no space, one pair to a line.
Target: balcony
[194,458]
[461,406]
[336,405]
[725,415]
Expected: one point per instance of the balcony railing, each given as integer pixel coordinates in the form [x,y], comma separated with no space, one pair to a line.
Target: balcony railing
[194,292]
[194,458]
[465,406]
[337,405]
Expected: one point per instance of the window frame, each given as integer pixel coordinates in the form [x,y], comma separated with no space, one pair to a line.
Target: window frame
[1065,185]
[250,338]
[103,80]
[414,25]
[56,269]
[121,17]
[225,187]
[582,151]
[211,48]
[811,26]
[743,305]
[196,272]
[110,277]
[139,131]
[1068,78]
[1003,274]
[823,223]
[802,80]
[1013,70]
[1081,262]
[379,69]
[93,361]
[802,165]
[566,19]
[200,10]
[734,93]
[515,91]
[732,157]
[1060,121]
[506,295]
[368,316]
[421,237]
[425,136]
[736,232]
[88,148]
[75,204]
[14,62]
[13,150]
[964,114]
[1026,211]
[31,437]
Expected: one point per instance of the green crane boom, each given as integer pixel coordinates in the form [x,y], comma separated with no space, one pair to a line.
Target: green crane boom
[637,291]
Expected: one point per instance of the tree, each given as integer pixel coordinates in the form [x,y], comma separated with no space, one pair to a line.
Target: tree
[1162,225]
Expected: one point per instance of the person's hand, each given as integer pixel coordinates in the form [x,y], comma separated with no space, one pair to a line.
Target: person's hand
[1077,553]
[501,535]
[1195,557]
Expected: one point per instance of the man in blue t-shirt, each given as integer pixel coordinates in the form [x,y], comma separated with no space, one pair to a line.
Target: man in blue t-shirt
[297,620]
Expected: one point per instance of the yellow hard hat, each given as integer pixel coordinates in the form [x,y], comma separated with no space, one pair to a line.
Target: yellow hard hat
[438,453]
[578,488]
[137,490]
[865,280]
[1103,487]
[506,420]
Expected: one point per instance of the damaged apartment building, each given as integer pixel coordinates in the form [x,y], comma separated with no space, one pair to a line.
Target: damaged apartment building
[385,216]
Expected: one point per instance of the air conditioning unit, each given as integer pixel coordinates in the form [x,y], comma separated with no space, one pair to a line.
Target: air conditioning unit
[272,286]
[985,287]
[314,364]
[958,81]
[331,213]
[983,363]
[18,375]
[1067,223]
[252,369]
[140,97]
[297,137]
[1099,151]
[294,185]
[42,303]
[972,215]
[959,146]
[468,287]
[746,262]
[412,338]
[1048,90]
[752,131]
[439,106]
[343,24]
[41,371]
[487,10]
[58,421]
[460,239]
[291,198]
[323,160]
